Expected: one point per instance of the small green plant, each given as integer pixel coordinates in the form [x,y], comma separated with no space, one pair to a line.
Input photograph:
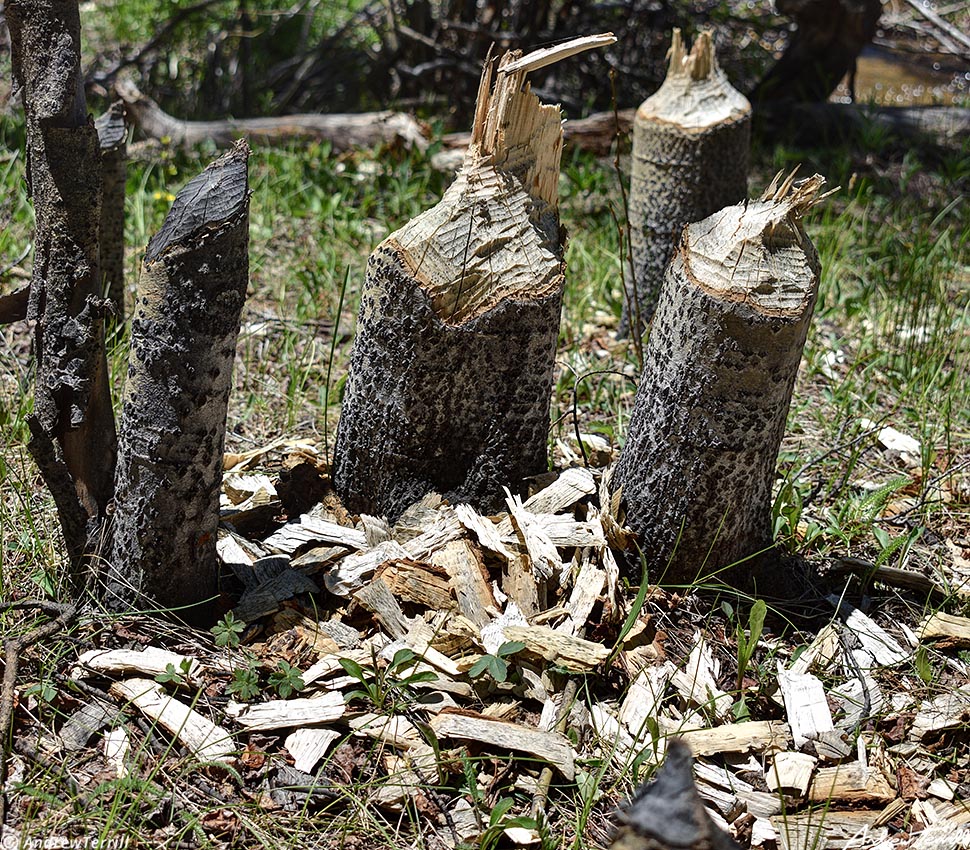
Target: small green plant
[498,822]
[286,679]
[923,665]
[387,686]
[178,677]
[496,665]
[245,680]
[747,643]
[228,631]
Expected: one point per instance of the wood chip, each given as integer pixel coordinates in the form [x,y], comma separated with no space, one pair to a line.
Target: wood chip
[850,783]
[805,704]
[754,736]
[551,747]
[469,580]
[203,738]
[354,571]
[951,631]
[150,661]
[287,713]
[567,651]
[394,730]
[116,747]
[876,641]
[267,597]
[587,588]
[697,682]
[543,554]
[377,598]
[308,746]
[791,773]
[947,711]
[484,529]
[423,584]
[311,529]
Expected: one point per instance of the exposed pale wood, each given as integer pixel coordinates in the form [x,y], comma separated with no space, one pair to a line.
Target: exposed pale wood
[468,580]
[287,713]
[551,747]
[328,664]
[542,552]
[563,531]
[423,584]
[756,736]
[791,772]
[550,55]
[519,584]
[150,661]
[308,746]
[949,630]
[116,747]
[850,783]
[486,531]
[395,730]
[567,651]
[378,599]
[310,529]
[697,682]
[351,573]
[444,528]
[828,830]
[572,486]
[342,131]
[805,704]
[644,696]
[876,641]
[587,587]
[820,653]
[206,740]
[947,711]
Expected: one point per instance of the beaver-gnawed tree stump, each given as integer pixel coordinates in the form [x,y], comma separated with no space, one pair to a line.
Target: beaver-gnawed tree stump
[719,367]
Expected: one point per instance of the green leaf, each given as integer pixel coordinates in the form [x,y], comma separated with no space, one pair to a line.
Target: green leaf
[924,668]
[756,621]
[479,666]
[502,805]
[510,647]
[498,668]
[352,668]
[402,658]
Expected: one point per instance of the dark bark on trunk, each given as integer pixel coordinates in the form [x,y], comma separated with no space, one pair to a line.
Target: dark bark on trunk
[74,432]
[824,48]
[183,339]
[697,469]
[690,159]
[452,366]
[668,814]
[112,135]
[343,131]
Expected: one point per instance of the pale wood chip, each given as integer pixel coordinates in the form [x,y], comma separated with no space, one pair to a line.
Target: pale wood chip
[202,737]
[791,772]
[850,783]
[469,580]
[876,641]
[377,598]
[287,713]
[947,711]
[805,704]
[697,682]
[307,746]
[151,661]
[546,746]
[949,629]
[116,747]
[542,552]
[354,571]
[394,730]
[567,651]
[756,735]
[311,529]
[484,529]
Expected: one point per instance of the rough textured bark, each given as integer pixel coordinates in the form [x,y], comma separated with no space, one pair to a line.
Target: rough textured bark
[73,436]
[183,340]
[343,131]
[452,366]
[824,48]
[112,135]
[690,159]
[668,814]
[719,367]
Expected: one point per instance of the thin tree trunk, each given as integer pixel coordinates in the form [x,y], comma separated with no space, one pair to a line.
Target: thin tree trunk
[112,135]
[73,431]
[697,469]
[452,366]
[183,340]
[668,813]
[690,159]
[824,48]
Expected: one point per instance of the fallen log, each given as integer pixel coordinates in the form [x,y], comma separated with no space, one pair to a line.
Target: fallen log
[342,130]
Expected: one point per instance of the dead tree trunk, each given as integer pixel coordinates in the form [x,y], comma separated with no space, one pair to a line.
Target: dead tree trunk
[668,814]
[112,135]
[824,48]
[720,364]
[452,366]
[183,338]
[690,159]
[73,431]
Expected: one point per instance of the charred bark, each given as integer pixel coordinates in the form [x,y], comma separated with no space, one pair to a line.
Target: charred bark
[824,48]
[112,135]
[73,435]
[183,338]
[452,366]
[668,814]
[690,159]
[697,469]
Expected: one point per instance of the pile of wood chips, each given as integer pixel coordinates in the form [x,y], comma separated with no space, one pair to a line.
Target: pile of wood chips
[875,760]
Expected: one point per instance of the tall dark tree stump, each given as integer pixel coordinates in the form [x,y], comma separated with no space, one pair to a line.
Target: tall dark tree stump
[73,431]
[720,363]
[690,158]
[183,341]
[113,137]
[452,367]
